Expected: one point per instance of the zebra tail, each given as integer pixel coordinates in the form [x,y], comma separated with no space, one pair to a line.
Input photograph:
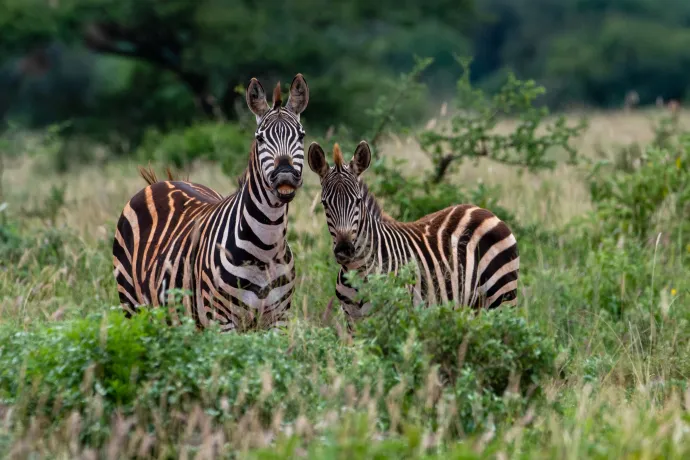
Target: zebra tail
[148,174]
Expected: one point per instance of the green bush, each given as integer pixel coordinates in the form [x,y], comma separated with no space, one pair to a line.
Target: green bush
[142,366]
[470,136]
[477,356]
[140,363]
[227,144]
[628,200]
[389,183]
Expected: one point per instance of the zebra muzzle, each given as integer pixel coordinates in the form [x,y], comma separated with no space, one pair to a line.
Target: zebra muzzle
[286,180]
[285,189]
[344,252]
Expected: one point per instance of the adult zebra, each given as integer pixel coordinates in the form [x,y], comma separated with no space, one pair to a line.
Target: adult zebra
[462,254]
[232,252]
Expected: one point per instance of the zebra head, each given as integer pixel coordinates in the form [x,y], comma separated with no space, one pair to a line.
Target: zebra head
[341,195]
[280,136]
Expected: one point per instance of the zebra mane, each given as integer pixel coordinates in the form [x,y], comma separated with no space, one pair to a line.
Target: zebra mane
[372,204]
[242,178]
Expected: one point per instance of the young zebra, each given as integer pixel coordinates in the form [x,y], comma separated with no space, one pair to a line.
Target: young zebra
[463,254]
[231,252]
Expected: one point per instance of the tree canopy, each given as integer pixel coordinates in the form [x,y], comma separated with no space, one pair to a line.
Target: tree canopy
[212,46]
[123,65]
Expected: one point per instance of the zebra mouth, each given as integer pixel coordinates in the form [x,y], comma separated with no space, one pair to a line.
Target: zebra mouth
[286,192]
[342,259]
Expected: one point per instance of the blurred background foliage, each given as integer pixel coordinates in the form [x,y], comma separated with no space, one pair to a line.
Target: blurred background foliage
[115,70]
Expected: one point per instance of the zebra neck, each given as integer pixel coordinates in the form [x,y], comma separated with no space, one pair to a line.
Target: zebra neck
[259,219]
[256,193]
[367,243]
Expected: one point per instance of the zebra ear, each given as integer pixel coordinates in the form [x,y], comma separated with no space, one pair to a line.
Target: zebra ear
[256,99]
[361,159]
[317,160]
[299,95]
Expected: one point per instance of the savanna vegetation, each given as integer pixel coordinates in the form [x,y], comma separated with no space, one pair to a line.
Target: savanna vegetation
[593,362]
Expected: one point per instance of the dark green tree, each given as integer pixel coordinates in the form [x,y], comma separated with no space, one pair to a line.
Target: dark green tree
[211,47]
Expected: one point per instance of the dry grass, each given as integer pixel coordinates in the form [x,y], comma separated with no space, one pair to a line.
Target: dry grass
[96,195]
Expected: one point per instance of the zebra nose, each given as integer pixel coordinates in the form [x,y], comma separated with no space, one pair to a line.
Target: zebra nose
[344,251]
[284,171]
[283,161]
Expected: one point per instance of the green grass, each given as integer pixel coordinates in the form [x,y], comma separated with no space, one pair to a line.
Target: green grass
[593,363]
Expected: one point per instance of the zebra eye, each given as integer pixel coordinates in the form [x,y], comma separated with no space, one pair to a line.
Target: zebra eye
[301,136]
[260,138]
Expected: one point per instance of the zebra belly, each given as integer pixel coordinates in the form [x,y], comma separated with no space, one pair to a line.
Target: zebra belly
[243,300]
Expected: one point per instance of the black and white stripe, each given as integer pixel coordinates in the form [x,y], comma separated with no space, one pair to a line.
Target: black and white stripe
[231,253]
[462,254]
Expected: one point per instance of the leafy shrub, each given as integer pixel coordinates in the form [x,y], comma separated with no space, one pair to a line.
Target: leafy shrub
[499,343]
[134,364]
[471,135]
[628,200]
[410,198]
[226,144]
[478,357]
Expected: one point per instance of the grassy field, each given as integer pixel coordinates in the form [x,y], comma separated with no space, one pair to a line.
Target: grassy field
[610,308]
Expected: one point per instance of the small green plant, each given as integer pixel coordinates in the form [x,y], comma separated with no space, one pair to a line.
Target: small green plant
[472,135]
[11,244]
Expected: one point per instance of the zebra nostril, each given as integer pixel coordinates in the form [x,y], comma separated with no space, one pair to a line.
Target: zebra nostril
[344,249]
[284,161]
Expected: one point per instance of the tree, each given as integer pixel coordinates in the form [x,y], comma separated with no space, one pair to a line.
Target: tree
[591,51]
[212,46]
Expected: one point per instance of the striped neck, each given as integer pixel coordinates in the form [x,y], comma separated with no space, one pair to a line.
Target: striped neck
[374,222]
[259,188]
[259,213]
